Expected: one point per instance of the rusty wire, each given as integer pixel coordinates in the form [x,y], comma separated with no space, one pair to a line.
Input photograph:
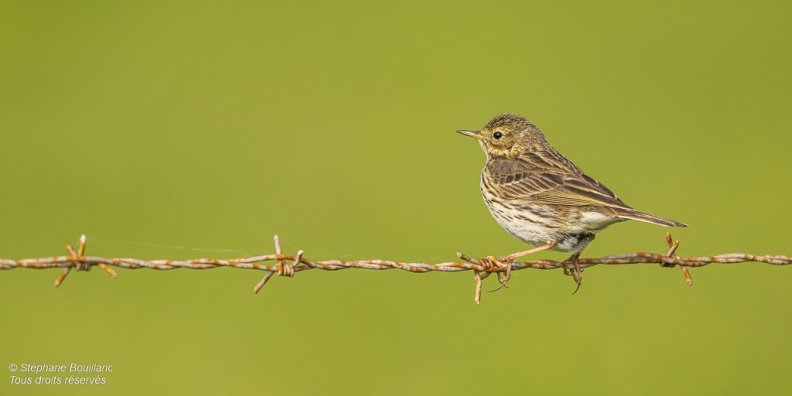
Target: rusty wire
[289,264]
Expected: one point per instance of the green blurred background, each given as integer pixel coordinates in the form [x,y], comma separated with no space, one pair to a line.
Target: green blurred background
[173,130]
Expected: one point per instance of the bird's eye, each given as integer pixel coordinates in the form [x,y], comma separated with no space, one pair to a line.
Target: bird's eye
[497,135]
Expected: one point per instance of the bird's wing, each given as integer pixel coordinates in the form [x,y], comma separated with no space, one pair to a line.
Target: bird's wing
[548,178]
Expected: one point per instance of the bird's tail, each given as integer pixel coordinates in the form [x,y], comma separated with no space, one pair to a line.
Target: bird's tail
[646,217]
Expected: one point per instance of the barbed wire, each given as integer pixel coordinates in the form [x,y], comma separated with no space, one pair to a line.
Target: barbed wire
[289,264]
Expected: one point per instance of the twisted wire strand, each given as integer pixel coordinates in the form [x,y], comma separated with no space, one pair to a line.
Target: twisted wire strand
[289,264]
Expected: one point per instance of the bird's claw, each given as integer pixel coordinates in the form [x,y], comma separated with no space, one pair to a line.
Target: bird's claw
[502,262]
[577,275]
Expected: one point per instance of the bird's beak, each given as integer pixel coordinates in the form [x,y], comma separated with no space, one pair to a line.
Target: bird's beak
[473,134]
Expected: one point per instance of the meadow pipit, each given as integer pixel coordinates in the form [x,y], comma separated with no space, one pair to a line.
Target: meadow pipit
[543,198]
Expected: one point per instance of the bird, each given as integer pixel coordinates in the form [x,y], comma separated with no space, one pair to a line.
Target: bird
[541,197]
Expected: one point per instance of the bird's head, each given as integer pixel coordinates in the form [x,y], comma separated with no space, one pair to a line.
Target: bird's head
[507,135]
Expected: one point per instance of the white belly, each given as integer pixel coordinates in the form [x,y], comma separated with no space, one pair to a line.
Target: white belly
[537,225]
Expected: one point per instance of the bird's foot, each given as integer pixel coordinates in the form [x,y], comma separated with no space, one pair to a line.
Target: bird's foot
[576,273]
[577,276]
[502,266]
[507,260]
[503,277]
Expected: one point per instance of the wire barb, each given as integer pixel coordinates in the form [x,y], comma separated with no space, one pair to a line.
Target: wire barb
[78,262]
[672,247]
[282,268]
[288,265]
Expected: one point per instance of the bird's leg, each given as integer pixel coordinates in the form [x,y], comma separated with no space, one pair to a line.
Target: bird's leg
[577,273]
[509,259]
[513,256]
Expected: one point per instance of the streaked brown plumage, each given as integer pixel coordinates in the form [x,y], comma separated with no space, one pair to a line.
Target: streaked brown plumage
[541,197]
